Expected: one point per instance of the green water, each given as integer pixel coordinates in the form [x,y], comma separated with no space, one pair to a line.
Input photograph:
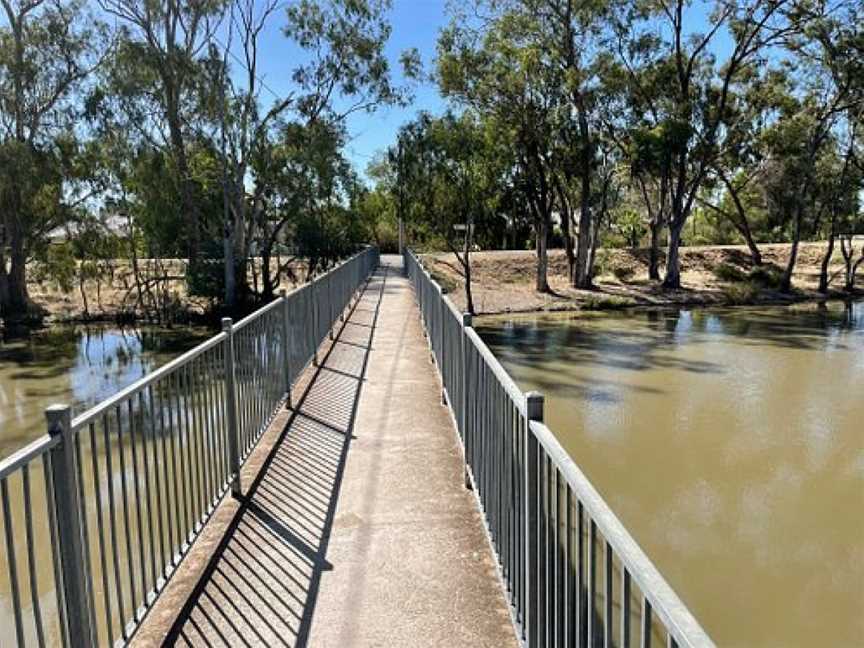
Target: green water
[730,442]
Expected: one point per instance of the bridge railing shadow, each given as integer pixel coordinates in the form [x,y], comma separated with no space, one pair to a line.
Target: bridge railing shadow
[261,584]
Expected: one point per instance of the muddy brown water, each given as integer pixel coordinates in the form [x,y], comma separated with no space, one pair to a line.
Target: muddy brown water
[730,442]
[80,366]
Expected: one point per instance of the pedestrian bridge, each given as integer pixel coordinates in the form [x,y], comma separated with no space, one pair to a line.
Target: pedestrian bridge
[348,466]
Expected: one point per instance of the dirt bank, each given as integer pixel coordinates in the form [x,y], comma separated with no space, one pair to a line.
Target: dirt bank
[503,282]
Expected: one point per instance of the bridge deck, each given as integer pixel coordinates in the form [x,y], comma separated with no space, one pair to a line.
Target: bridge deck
[355,529]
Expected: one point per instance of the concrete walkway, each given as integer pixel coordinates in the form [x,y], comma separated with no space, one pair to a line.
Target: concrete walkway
[356,529]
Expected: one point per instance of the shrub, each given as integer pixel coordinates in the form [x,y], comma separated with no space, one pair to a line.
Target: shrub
[602,264]
[729,273]
[768,276]
[605,302]
[623,273]
[741,293]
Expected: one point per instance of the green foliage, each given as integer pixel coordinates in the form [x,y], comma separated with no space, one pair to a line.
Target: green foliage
[623,273]
[58,266]
[605,302]
[729,273]
[766,276]
[740,293]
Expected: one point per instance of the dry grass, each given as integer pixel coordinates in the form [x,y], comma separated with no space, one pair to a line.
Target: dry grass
[116,296]
[504,281]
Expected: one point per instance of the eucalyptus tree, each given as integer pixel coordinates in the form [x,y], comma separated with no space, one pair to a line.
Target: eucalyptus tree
[825,98]
[154,79]
[47,53]
[343,70]
[498,72]
[694,103]
[453,173]
[532,65]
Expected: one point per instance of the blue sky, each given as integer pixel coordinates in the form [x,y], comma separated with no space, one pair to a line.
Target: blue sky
[415,23]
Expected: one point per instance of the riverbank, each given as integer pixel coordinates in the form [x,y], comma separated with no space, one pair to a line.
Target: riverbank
[161,295]
[503,281]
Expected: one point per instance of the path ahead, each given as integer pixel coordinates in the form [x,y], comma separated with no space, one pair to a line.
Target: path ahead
[356,529]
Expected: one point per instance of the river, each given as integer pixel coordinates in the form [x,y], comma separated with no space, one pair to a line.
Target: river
[730,443]
[77,365]
[80,366]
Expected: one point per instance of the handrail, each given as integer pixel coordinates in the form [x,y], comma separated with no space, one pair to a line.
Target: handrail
[154,376]
[130,483]
[664,601]
[544,518]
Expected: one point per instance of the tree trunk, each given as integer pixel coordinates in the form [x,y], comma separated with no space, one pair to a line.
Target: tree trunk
[16,281]
[583,241]
[826,260]
[542,255]
[568,238]
[654,256]
[786,283]
[742,224]
[673,265]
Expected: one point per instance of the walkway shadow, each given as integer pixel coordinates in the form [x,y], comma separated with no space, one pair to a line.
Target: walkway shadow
[261,585]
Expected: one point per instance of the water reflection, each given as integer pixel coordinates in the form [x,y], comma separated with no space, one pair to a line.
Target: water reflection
[729,441]
[77,365]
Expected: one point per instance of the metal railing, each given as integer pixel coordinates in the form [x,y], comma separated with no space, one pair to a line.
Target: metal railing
[98,513]
[573,574]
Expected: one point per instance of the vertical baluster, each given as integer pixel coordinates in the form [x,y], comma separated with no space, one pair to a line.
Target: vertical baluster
[625,607]
[177,461]
[11,561]
[154,445]
[88,572]
[569,577]
[148,491]
[103,564]
[646,622]
[126,526]
[192,465]
[607,598]
[581,621]
[137,490]
[31,559]
[109,474]
[592,584]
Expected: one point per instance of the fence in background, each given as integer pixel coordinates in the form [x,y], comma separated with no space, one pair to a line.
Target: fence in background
[573,574]
[98,513]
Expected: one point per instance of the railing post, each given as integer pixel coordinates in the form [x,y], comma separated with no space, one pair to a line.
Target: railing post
[466,382]
[441,352]
[534,402]
[286,353]
[231,403]
[331,302]
[67,503]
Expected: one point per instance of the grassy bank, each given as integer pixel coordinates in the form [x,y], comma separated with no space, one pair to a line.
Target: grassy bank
[503,281]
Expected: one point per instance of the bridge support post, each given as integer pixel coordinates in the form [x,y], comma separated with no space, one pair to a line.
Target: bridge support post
[286,352]
[466,385]
[66,493]
[231,408]
[531,624]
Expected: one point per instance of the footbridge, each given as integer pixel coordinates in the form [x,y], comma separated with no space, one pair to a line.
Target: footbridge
[347,466]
